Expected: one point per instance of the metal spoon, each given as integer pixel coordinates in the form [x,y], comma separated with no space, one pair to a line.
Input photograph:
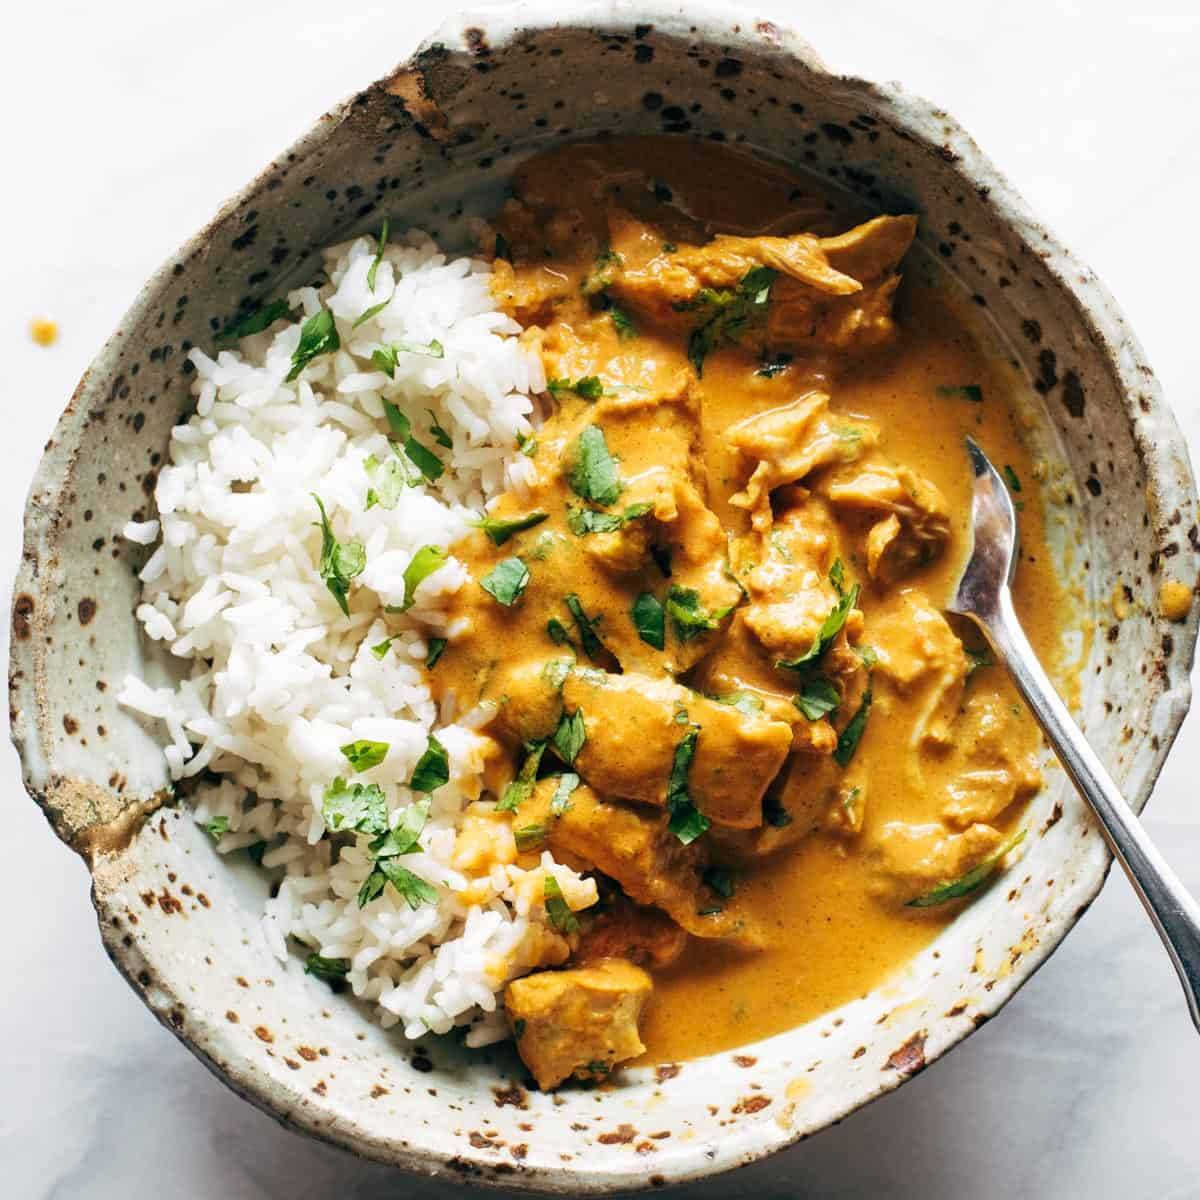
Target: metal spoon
[985,597]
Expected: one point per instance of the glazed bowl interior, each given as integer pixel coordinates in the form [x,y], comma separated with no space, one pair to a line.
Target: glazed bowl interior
[433,145]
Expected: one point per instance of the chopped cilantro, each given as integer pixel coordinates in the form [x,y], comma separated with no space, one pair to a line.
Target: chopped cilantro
[601,276]
[386,357]
[424,563]
[593,474]
[1012,478]
[216,828]
[589,387]
[411,887]
[557,633]
[746,703]
[689,619]
[405,837]
[720,879]
[583,521]
[849,738]
[527,444]
[649,620]
[973,879]
[256,321]
[818,698]
[379,249]
[326,968]
[593,647]
[427,462]
[962,391]
[380,649]
[318,335]
[529,836]
[560,802]
[439,434]
[728,314]
[432,769]
[500,529]
[340,561]
[362,755]
[373,311]
[570,736]
[357,807]
[506,581]
[521,788]
[687,822]
[436,648]
[557,909]
[832,624]
[389,479]
[622,322]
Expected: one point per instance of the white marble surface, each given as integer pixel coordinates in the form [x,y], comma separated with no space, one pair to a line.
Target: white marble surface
[124,129]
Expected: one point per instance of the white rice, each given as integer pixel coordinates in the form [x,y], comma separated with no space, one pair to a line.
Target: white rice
[279,678]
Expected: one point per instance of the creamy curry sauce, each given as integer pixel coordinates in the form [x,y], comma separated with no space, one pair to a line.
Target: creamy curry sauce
[816,432]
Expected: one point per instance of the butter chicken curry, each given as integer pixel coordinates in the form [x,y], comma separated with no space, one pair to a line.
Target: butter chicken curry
[708,632]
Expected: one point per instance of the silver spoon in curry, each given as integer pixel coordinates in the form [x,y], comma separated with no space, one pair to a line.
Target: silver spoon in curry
[984,597]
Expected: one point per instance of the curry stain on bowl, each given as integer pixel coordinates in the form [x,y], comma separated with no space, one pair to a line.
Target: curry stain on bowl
[429,142]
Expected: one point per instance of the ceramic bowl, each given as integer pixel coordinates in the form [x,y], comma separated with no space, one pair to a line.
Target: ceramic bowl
[430,143]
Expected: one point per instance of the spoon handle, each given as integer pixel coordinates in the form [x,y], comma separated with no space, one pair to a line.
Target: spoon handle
[1175,913]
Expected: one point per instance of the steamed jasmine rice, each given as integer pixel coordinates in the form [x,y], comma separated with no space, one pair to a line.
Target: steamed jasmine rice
[284,692]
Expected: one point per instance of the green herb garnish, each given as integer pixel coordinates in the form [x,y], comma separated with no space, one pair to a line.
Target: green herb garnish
[386,357]
[436,648]
[720,879]
[729,313]
[521,788]
[589,387]
[556,631]
[689,619]
[506,581]
[326,968]
[602,273]
[256,321]
[818,698]
[593,474]
[529,836]
[216,828]
[649,620]
[432,769]
[746,703]
[687,822]
[962,391]
[380,649]
[373,311]
[439,434]
[977,659]
[423,564]
[318,335]
[570,736]
[832,624]
[557,909]
[357,807]
[560,802]
[849,738]
[362,755]
[623,323]
[389,479]
[582,521]
[340,561]
[1012,478]
[411,887]
[527,444]
[593,647]
[405,838]
[973,879]
[379,249]
[500,529]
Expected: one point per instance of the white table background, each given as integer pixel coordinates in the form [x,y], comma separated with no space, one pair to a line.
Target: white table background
[126,124]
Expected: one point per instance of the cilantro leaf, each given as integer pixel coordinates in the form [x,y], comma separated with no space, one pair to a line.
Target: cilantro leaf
[583,521]
[557,909]
[423,564]
[500,529]
[969,882]
[389,479]
[216,828]
[962,391]
[255,322]
[624,323]
[427,462]
[649,620]
[529,836]
[405,837]
[357,807]
[729,313]
[557,633]
[560,802]
[506,581]
[570,736]
[398,423]
[690,620]
[318,335]
[412,887]
[746,703]
[436,648]
[832,625]
[589,387]
[687,822]
[439,434]
[432,769]
[521,788]
[527,444]
[593,474]
[1012,478]
[386,357]
[380,649]
[373,311]
[818,698]
[326,968]
[362,755]
[593,647]
[340,562]
[603,272]
[383,239]
[849,738]
[720,879]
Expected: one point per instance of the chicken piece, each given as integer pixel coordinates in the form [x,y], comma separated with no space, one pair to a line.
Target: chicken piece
[920,654]
[622,929]
[914,520]
[528,698]
[577,1023]
[633,846]
[791,442]
[813,302]
[994,771]
[634,725]
[911,860]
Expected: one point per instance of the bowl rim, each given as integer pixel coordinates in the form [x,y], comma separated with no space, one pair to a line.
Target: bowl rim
[1164,457]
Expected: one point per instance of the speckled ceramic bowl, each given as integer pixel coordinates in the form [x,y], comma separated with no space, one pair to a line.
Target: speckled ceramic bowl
[426,144]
